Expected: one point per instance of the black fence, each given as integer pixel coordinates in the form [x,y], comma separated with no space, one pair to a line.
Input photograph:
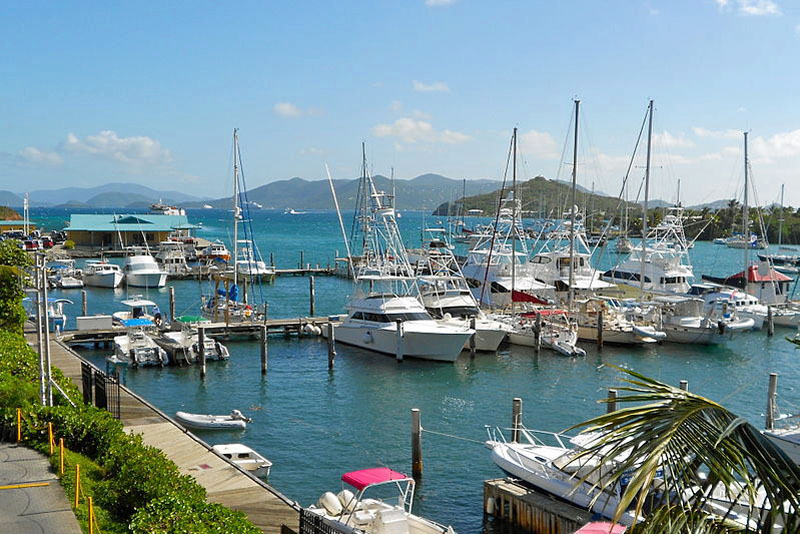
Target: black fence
[311,523]
[101,388]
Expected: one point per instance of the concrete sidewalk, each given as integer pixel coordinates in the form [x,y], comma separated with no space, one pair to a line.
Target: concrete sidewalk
[38,510]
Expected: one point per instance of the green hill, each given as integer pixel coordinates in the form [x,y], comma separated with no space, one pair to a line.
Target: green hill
[8,214]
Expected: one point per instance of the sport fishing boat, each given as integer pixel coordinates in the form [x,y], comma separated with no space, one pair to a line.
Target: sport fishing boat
[245,457]
[385,313]
[234,421]
[102,274]
[143,271]
[56,316]
[355,512]
[136,347]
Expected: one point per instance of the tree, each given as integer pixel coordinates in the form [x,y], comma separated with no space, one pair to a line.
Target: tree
[666,438]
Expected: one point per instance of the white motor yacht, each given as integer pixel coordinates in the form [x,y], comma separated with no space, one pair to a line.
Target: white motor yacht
[354,512]
[64,275]
[102,274]
[245,457]
[732,300]
[136,348]
[688,320]
[172,257]
[143,271]
[215,251]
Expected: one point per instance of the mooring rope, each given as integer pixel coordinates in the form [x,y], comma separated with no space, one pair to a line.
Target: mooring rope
[451,436]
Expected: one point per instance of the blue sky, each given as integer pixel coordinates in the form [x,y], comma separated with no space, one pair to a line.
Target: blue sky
[150,91]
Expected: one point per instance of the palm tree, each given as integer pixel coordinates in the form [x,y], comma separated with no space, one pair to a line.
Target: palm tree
[681,451]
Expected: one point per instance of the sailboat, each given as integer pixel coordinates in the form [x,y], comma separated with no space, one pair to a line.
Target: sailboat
[385,313]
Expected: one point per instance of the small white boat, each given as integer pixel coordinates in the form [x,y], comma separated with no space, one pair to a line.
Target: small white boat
[186,342]
[351,512]
[245,457]
[208,207]
[136,348]
[138,308]
[143,271]
[720,241]
[102,274]
[234,421]
[558,333]
[214,251]
[787,438]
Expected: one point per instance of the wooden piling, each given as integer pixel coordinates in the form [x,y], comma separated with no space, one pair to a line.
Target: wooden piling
[612,401]
[770,322]
[201,338]
[272,259]
[600,327]
[312,296]
[472,341]
[516,418]
[171,304]
[684,385]
[331,345]
[84,302]
[302,259]
[537,330]
[399,354]
[264,350]
[771,394]
[416,444]
[266,311]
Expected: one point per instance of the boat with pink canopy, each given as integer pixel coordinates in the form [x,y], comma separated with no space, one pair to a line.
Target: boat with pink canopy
[386,511]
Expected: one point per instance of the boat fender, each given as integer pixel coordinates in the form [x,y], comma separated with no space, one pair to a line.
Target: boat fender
[317,331]
[330,503]
[348,500]
[721,326]
[368,338]
[490,505]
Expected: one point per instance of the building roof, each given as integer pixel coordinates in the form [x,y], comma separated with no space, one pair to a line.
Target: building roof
[18,222]
[139,222]
[765,274]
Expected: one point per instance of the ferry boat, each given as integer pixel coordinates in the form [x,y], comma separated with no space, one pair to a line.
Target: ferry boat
[166,209]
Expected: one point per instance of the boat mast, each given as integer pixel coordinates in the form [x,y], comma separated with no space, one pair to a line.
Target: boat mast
[780,220]
[646,192]
[678,199]
[514,219]
[572,210]
[746,211]
[235,202]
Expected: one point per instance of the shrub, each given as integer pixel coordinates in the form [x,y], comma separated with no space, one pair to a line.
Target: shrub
[169,515]
[69,244]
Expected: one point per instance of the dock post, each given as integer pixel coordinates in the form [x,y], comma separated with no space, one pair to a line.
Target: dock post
[171,304]
[331,345]
[612,401]
[773,392]
[399,340]
[770,322]
[685,385]
[266,312]
[302,259]
[600,327]
[312,296]
[201,340]
[84,302]
[264,350]
[416,444]
[516,418]
[537,330]
[472,340]
[272,259]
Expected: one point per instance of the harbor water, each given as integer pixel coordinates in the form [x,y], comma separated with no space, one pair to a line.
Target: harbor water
[315,424]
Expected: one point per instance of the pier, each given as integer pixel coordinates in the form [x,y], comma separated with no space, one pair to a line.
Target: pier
[225,482]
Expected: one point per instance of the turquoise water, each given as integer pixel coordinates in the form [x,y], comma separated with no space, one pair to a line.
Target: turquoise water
[315,424]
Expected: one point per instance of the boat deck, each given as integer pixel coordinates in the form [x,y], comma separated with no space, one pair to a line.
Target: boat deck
[225,483]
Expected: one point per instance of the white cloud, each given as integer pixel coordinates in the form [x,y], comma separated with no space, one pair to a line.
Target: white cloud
[417,114]
[135,151]
[287,109]
[717,134]
[31,154]
[666,139]
[779,146]
[439,3]
[539,145]
[435,87]
[721,3]
[759,7]
[412,131]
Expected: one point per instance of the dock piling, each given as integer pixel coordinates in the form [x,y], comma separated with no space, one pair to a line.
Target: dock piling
[331,345]
[612,401]
[272,259]
[416,444]
[770,322]
[684,385]
[516,418]
[201,339]
[600,327]
[84,302]
[537,330]
[302,259]
[399,340]
[264,350]
[312,296]
[472,344]
[772,393]
[171,304]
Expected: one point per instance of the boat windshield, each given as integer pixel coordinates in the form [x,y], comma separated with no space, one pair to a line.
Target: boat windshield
[410,316]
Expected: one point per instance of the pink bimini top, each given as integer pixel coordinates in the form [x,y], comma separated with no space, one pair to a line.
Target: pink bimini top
[366,477]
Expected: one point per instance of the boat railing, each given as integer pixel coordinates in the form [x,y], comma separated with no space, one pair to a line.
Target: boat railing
[533,437]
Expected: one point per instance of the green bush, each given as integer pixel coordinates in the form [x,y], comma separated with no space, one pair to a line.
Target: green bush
[12,255]
[168,515]
[69,244]
[12,313]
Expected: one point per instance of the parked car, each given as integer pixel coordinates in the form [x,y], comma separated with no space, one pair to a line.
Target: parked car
[32,244]
[47,241]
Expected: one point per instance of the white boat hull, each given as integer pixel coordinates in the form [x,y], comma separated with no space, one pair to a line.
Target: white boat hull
[209,422]
[425,344]
[789,442]
[618,337]
[488,334]
[109,280]
[156,279]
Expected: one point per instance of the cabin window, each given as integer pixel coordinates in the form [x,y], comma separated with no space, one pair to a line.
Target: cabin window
[243,455]
[497,288]
[541,260]
[415,316]
[376,317]
[359,316]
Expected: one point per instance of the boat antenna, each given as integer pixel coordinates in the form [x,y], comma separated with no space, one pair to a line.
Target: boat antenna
[572,209]
[341,223]
[646,192]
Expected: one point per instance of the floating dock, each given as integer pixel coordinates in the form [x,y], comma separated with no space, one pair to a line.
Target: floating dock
[530,511]
[225,483]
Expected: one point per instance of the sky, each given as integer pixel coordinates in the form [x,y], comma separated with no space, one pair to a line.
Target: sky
[150,92]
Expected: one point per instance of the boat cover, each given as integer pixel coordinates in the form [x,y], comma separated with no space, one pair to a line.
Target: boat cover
[128,323]
[600,527]
[366,477]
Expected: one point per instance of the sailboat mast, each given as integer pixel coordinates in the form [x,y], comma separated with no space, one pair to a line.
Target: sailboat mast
[572,210]
[678,200]
[235,202]
[514,223]
[746,210]
[646,192]
[780,220]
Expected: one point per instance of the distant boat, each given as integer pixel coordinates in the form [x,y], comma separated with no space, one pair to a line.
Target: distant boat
[208,207]
[166,209]
[291,211]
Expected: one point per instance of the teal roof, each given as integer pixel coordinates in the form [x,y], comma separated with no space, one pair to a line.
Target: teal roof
[13,223]
[138,222]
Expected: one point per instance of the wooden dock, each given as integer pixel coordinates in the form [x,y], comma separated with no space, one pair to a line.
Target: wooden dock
[531,511]
[225,483]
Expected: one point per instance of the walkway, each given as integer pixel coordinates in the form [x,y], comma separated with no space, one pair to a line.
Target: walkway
[32,510]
